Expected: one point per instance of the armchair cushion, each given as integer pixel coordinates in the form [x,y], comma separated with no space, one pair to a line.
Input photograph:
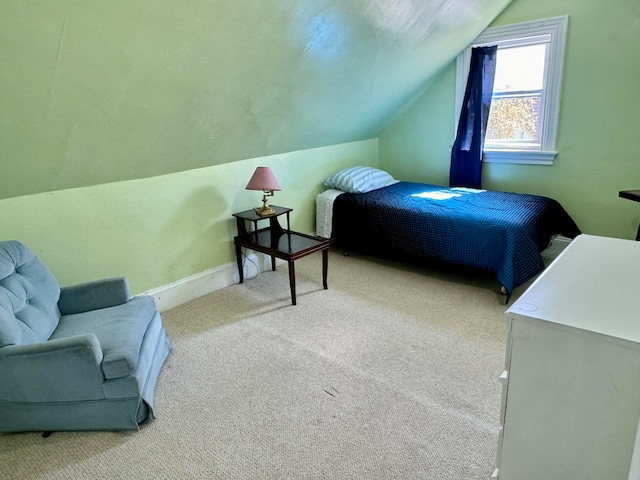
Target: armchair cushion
[28,293]
[119,329]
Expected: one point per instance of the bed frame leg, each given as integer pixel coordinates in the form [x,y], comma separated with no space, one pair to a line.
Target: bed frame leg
[505,294]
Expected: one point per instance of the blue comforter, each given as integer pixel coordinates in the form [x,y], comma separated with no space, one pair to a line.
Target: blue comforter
[497,231]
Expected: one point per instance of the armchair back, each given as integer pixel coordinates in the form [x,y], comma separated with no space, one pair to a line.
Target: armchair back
[29,296]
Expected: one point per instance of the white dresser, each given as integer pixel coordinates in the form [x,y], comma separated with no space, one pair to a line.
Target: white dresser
[571,394]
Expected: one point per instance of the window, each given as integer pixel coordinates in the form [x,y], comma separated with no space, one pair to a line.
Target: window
[526,91]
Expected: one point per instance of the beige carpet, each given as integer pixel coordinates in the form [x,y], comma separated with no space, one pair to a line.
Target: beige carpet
[389,374]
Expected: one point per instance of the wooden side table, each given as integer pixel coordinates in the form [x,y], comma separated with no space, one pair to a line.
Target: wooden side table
[635,196]
[278,242]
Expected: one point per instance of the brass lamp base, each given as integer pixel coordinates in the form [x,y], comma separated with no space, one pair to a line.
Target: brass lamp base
[265,210]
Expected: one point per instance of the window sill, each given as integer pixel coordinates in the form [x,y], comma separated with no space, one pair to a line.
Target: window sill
[527,157]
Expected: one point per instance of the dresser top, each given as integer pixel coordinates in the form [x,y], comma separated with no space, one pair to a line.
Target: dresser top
[594,285]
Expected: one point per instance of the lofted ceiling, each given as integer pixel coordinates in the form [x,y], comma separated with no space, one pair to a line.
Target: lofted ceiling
[95,92]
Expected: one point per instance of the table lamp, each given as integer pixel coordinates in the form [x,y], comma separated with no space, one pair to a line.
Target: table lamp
[264,179]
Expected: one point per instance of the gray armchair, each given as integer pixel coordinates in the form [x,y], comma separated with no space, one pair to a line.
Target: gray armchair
[85,357]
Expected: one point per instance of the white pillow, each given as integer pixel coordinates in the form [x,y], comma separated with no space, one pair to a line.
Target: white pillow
[359,179]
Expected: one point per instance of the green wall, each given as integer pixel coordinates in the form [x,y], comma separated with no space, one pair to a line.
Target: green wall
[161,229]
[598,130]
[128,129]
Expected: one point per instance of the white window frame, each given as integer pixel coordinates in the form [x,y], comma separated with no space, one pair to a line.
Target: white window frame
[520,34]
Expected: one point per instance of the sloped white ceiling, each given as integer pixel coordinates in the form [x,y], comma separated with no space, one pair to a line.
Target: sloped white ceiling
[94,92]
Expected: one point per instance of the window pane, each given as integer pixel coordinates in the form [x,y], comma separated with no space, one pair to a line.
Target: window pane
[520,68]
[514,122]
[514,119]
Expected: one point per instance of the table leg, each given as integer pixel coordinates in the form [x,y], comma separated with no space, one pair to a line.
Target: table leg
[292,282]
[325,267]
[273,263]
[239,260]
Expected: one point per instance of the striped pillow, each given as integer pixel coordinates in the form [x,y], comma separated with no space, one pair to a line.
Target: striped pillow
[359,179]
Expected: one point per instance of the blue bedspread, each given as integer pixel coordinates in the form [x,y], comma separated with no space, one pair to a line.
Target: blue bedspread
[497,231]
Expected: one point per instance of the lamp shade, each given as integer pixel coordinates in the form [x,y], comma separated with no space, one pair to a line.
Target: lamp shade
[263,179]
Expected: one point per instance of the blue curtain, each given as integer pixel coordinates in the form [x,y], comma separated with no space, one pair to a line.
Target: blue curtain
[466,155]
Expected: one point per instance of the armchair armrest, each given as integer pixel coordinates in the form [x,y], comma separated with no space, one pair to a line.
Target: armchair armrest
[88,296]
[64,369]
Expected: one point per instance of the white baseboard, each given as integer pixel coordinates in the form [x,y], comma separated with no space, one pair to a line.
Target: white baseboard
[203,283]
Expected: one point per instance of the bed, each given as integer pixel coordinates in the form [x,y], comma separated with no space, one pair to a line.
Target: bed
[501,232]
